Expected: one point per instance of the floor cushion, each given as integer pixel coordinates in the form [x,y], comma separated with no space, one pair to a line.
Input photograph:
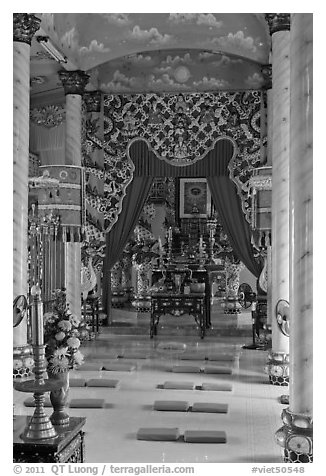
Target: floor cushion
[119,367]
[221,357]
[192,369]
[91,366]
[102,382]
[77,382]
[217,370]
[209,407]
[204,436]
[179,385]
[171,405]
[220,386]
[133,355]
[86,403]
[192,356]
[158,434]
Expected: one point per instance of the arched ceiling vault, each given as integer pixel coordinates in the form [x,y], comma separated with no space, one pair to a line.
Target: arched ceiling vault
[158,52]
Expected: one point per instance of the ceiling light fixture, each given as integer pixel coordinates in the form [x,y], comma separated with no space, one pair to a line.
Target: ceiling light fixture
[51,49]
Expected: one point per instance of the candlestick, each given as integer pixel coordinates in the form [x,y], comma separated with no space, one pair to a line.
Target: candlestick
[39,426]
[37,317]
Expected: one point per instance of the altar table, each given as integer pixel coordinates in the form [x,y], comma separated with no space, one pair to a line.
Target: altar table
[193,304]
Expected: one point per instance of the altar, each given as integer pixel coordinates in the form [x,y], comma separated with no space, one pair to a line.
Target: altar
[176,305]
[183,287]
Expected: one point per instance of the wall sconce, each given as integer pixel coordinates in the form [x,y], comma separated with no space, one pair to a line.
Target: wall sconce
[45,42]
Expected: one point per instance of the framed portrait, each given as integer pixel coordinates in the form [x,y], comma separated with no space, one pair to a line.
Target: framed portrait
[195,198]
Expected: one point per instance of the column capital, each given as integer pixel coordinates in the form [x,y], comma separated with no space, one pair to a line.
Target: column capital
[93,101]
[266,71]
[24,27]
[278,21]
[74,82]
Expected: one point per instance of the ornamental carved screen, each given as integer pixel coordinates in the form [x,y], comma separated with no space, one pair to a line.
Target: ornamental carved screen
[179,129]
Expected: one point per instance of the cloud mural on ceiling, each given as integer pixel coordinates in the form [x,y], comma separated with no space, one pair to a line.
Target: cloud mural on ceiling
[207,19]
[178,71]
[91,39]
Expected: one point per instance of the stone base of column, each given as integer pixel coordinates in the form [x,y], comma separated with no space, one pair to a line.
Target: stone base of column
[277,368]
[23,361]
[296,437]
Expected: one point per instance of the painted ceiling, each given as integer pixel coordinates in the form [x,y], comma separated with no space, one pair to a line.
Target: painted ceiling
[170,52]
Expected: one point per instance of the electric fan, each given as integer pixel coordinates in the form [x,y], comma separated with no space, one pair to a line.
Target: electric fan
[20,307]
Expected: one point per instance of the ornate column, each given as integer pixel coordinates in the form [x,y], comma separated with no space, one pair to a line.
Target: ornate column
[296,434]
[268,95]
[74,83]
[279,23]
[24,27]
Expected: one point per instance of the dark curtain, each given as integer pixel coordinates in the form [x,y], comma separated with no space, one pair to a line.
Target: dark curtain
[228,205]
[116,239]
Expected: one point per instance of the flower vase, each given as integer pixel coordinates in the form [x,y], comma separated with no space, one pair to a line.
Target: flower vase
[232,270]
[142,301]
[59,399]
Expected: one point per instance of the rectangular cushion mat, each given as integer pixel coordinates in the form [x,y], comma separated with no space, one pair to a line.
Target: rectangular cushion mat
[86,403]
[192,369]
[204,436]
[30,402]
[226,387]
[91,366]
[102,382]
[171,405]
[221,357]
[118,366]
[217,370]
[77,382]
[192,356]
[103,356]
[133,355]
[209,407]
[179,385]
[158,434]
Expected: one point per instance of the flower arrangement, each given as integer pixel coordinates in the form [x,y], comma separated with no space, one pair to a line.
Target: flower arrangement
[145,250]
[63,334]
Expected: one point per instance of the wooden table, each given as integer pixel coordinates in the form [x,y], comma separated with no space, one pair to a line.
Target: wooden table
[67,447]
[176,305]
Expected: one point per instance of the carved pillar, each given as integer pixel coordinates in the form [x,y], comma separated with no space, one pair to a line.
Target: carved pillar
[267,74]
[24,27]
[279,24]
[74,83]
[296,434]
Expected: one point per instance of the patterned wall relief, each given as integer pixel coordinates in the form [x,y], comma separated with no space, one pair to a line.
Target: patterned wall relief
[93,163]
[179,129]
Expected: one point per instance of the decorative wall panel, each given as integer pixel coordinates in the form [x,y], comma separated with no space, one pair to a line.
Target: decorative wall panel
[92,152]
[179,129]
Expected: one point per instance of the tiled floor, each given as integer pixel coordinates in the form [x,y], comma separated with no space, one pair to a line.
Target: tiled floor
[253,407]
